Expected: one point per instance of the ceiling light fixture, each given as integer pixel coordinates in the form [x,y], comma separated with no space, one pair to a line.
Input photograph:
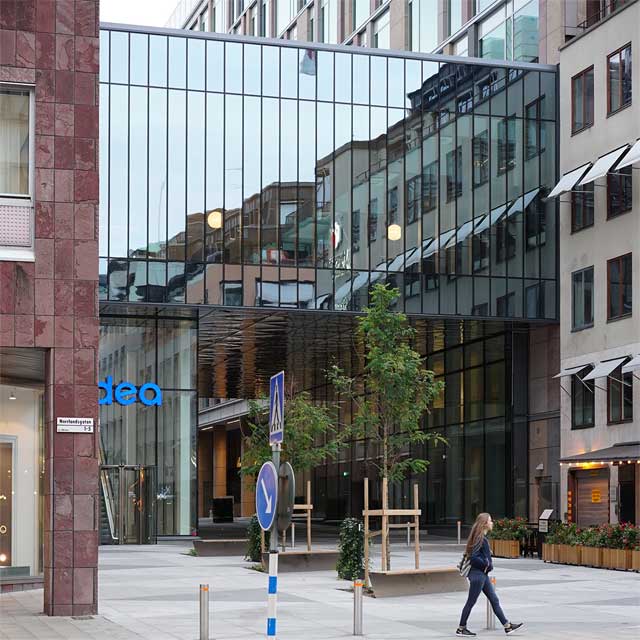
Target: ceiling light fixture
[12,396]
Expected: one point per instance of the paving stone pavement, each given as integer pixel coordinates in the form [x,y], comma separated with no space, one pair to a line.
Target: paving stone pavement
[152,593]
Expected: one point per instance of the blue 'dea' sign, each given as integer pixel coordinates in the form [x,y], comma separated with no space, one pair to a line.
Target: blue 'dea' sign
[127,393]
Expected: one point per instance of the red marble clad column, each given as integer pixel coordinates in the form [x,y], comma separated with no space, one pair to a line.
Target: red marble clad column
[52,304]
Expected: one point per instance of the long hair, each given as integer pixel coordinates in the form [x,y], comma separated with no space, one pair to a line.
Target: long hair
[477,533]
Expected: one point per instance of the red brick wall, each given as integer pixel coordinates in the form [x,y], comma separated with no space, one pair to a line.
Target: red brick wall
[53,44]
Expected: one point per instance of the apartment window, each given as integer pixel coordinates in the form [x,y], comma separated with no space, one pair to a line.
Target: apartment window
[619,287]
[263,18]
[373,220]
[619,79]
[454,174]
[481,158]
[392,205]
[619,396]
[413,199]
[381,32]
[619,192]
[582,298]
[430,187]
[506,144]
[15,140]
[582,403]
[534,301]
[455,16]
[582,207]
[582,100]
[534,133]
[535,224]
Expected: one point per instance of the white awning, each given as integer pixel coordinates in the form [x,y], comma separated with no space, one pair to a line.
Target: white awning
[570,371]
[490,219]
[568,180]
[520,204]
[632,157]
[603,369]
[603,165]
[632,365]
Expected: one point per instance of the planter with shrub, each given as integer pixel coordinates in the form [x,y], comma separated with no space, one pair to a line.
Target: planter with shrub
[506,537]
[351,550]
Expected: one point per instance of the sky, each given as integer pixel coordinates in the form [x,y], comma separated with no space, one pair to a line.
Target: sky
[140,12]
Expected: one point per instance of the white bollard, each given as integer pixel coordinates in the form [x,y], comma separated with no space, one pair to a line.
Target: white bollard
[357,607]
[491,617]
[408,534]
[459,523]
[204,612]
[293,535]
[272,597]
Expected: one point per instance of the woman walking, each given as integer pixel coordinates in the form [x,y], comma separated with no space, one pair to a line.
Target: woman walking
[479,555]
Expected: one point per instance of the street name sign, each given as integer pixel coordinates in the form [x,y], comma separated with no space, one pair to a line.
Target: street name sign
[276,409]
[74,425]
[267,495]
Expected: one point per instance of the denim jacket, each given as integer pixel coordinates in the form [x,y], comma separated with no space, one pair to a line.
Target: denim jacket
[481,557]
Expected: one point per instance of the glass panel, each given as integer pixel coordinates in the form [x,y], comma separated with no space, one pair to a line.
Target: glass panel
[196,176]
[270,71]
[139,58]
[233,179]
[361,79]
[474,469]
[252,69]
[177,62]
[138,192]
[215,68]
[251,181]
[119,57]
[176,216]
[325,74]
[157,173]
[14,142]
[343,80]
[195,65]
[158,61]
[118,170]
[233,67]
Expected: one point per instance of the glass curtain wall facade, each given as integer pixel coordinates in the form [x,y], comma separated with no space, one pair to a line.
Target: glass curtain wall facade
[245,174]
[163,351]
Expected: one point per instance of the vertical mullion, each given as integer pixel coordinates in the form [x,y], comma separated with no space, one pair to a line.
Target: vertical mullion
[148,155]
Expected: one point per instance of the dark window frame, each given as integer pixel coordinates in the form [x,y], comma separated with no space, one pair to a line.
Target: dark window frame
[584,196]
[581,272]
[507,141]
[588,391]
[413,195]
[587,118]
[623,185]
[480,148]
[621,380]
[621,262]
[622,105]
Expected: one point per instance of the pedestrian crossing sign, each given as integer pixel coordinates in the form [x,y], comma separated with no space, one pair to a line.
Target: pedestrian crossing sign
[276,409]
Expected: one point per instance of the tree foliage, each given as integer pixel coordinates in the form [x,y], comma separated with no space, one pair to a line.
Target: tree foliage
[398,387]
[311,434]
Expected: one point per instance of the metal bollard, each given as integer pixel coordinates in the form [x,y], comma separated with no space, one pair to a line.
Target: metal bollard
[459,523]
[491,617]
[293,535]
[357,607]
[408,534]
[204,612]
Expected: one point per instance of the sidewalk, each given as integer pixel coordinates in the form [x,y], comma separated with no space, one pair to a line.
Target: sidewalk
[152,592]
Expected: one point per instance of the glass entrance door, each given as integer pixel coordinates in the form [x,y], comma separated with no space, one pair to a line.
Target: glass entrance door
[129,504]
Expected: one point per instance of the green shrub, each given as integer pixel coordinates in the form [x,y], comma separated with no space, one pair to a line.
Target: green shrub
[562,533]
[509,529]
[351,550]
[254,552]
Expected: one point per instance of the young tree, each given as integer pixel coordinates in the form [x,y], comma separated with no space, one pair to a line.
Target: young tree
[311,434]
[398,388]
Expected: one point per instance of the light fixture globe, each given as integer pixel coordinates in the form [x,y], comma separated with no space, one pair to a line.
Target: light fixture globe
[394,232]
[214,219]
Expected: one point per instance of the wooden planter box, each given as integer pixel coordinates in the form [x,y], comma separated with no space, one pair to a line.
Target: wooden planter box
[492,546]
[635,560]
[616,559]
[592,556]
[506,548]
[568,554]
[549,552]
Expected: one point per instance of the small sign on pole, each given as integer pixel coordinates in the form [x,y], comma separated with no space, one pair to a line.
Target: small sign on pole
[74,425]
[267,495]
[543,521]
[276,409]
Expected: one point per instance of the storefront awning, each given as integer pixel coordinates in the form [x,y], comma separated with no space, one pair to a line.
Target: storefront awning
[570,371]
[603,165]
[632,157]
[632,365]
[619,452]
[568,180]
[603,369]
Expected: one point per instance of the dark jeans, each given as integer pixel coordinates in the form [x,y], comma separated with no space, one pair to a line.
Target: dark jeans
[479,581]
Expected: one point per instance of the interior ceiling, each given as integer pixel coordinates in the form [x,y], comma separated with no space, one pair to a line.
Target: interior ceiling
[21,366]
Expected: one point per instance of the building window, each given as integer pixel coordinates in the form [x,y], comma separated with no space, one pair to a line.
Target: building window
[619,284]
[430,187]
[534,300]
[263,18]
[506,305]
[373,220]
[506,144]
[505,240]
[381,33]
[454,174]
[582,100]
[480,250]
[534,133]
[619,192]
[481,158]
[430,270]
[619,396]
[582,207]
[582,304]
[619,79]
[392,206]
[355,230]
[15,141]
[582,403]
[481,309]
[535,224]
[455,16]
[413,199]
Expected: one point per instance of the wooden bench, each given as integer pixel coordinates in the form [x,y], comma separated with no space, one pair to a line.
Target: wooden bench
[318,560]
[232,547]
[410,582]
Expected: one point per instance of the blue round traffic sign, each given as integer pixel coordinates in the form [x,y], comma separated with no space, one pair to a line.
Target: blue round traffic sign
[267,495]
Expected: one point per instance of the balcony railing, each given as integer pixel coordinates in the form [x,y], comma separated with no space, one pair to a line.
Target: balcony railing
[605,9]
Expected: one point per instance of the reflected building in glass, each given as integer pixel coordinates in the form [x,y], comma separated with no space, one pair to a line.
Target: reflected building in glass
[252,191]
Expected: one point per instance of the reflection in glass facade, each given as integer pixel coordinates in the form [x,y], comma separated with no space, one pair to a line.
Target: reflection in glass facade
[244,174]
[141,350]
